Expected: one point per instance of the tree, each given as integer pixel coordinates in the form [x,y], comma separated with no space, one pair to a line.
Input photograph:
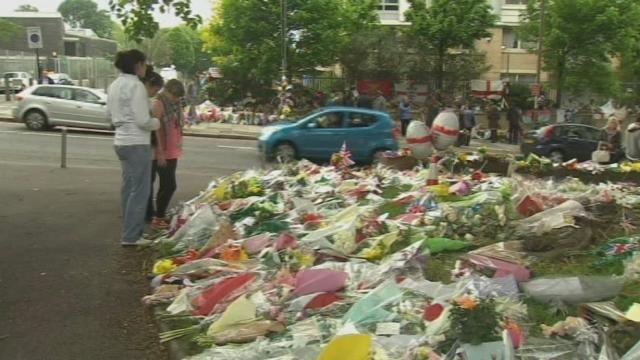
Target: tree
[9,30]
[580,39]
[245,38]
[156,49]
[187,50]
[437,30]
[85,14]
[27,8]
[137,15]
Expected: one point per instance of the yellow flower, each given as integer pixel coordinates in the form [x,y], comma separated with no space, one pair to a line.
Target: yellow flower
[164,266]
[374,253]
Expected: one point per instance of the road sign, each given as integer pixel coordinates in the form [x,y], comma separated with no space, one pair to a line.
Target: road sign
[34,37]
[536,89]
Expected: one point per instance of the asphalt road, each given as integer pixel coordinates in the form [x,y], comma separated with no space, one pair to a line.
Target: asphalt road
[67,289]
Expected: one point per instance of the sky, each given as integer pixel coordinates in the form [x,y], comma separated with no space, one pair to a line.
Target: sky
[202,7]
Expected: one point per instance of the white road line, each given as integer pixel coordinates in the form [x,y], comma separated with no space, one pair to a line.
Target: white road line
[237,147]
[55,135]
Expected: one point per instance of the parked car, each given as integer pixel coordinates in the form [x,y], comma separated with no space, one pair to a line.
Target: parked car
[44,106]
[18,80]
[317,136]
[562,142]
[61,79]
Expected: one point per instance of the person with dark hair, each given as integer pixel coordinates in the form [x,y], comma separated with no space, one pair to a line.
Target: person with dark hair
[129,110]
[153,82]
[167,107]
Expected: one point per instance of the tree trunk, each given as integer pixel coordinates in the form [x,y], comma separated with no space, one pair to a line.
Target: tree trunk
[440,70]
[560,75]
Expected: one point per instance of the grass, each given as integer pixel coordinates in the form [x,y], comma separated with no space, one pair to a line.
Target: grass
[439,266]
[541,313]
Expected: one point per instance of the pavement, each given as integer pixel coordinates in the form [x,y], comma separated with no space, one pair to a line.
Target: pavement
[68,290]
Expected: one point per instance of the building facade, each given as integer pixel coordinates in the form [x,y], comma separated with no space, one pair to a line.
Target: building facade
[508,56]
[56,40]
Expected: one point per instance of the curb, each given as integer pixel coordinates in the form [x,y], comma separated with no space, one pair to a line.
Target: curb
[173,348]
[186,133]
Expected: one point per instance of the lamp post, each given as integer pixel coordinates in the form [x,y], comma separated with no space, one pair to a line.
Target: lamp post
[505,50]
[283,6]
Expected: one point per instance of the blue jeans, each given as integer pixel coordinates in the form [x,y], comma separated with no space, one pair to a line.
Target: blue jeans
[136,188]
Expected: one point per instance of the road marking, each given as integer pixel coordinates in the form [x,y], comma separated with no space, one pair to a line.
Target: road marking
[237,147]
[54,135]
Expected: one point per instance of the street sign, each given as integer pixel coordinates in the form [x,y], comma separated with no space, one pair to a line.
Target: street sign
[536,89]
[34,37]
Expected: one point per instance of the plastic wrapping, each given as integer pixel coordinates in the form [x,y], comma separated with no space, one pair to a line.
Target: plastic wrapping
[574,290]
[198,229]
[319,280]
[370,309]
[553,218]
[352,347]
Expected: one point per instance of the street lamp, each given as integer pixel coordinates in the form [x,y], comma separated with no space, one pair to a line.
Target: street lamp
[283,6]
[505,50]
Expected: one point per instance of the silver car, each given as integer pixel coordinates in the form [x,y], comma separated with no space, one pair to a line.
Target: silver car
[44,106]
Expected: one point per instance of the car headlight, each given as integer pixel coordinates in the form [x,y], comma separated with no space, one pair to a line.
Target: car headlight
[268,131]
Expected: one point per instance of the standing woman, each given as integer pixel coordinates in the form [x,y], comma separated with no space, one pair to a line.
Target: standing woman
[168,108]
[128,106]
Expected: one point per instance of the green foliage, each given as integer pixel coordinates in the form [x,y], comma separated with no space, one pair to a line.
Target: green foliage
[137,15]
[186,50]
[475,325]
[85,14]
[156,49]
[245,37]
[27,8]
[9,30]
[443,32]
[521,96]
[579,39]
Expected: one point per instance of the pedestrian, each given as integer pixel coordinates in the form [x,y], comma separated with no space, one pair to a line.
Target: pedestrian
[380,102]
[433,109]
[365,101]
[128,108]
[168,151]
[193,97]
[45,79]
[632,141]
[406,114]
[348,98]
[468,122]
[611,136]
[514,117]
[493,115]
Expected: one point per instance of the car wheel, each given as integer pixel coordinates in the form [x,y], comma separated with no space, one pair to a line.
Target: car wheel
[556,156]
[36,120]
[285,153]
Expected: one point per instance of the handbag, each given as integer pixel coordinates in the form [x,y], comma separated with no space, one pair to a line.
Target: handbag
[601,156]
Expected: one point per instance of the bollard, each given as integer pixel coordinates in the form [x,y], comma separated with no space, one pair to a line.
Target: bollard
[7,89]
[63,148]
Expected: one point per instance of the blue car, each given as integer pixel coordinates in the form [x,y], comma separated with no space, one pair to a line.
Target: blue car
[367,133]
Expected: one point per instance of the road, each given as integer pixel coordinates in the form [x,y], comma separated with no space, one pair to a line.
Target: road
[67,289]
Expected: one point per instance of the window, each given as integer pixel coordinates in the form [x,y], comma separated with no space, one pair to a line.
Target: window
[511,40]
[85,96]
[54,92]
[388,5]
[330,120]
[359,120]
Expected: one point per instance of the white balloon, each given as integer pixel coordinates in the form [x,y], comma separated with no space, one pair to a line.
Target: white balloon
[419,140]
[445,130]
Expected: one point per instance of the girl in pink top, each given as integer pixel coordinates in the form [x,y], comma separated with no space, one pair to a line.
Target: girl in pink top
[168,108]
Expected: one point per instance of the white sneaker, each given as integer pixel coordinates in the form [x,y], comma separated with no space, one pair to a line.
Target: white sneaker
[140,242]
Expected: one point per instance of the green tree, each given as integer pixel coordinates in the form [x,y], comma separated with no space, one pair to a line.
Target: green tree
[9,30]
[27,8]
[245,37]
[580,39]
[187,50]
[137,15]
[156,49]
[437,31]
[85,14]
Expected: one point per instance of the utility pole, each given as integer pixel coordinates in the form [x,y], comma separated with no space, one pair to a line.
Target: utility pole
[283,5]
[540,52]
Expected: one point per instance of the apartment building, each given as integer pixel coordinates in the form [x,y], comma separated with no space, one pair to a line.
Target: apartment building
[508,56]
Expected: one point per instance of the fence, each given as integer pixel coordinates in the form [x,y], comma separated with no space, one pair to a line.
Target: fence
[90,72]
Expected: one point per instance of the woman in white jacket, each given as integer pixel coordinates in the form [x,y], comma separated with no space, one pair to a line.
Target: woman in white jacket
[128,106]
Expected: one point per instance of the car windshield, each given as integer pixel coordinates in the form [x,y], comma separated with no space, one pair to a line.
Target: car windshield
[11,75]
